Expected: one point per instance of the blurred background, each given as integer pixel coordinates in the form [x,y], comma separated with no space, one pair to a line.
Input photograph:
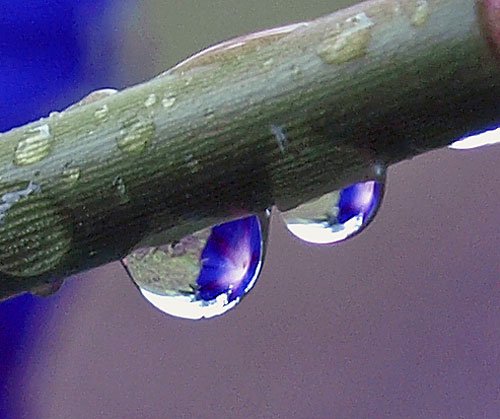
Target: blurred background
[400,321]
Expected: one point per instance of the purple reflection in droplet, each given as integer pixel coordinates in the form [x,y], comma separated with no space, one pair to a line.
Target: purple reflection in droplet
[231,259]
[203,275]
[362,198]
[336,216]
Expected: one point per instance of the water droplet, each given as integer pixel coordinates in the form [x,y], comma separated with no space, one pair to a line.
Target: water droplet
[102,112]
[70,174]
[336,216]
[204,274]
[168,101]
[150,101]
[136,135]
[420,13]
[34,235]
[34,146]
[350,41]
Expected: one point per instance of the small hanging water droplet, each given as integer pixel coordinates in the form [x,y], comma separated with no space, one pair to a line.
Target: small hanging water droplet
[204,274]
[338,215]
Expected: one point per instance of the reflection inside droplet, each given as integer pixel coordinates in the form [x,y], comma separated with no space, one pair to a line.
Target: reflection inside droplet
[204,274]
[336,216]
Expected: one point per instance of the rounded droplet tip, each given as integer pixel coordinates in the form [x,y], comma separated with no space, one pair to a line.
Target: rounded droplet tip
[186,306]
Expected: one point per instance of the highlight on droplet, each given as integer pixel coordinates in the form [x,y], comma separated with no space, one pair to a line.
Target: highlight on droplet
[489,137]
[336,216]
[205,274]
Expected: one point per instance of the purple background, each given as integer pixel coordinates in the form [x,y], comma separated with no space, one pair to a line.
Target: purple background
[401,321]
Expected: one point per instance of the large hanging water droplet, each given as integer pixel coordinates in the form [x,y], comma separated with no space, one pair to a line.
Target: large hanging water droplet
[336,216]
[204,274]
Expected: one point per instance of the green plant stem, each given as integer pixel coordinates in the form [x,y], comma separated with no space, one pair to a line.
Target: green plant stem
[278,118]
